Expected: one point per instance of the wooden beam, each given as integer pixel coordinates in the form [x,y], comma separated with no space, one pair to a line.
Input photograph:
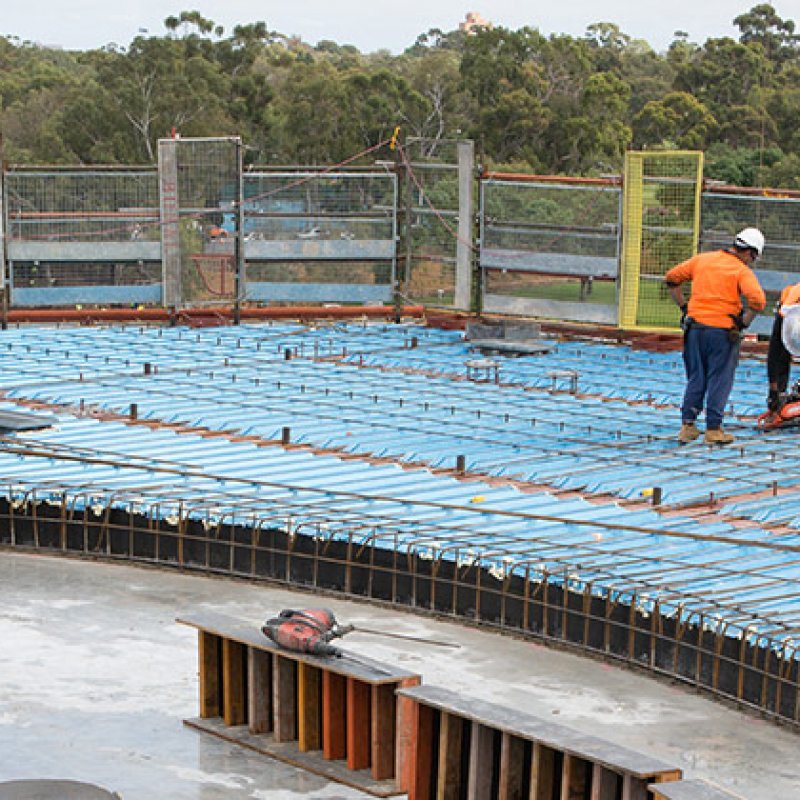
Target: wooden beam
[334,736]
[309,688]
[384,718]
[259,691]
[234,698]
[209,647]
[358,724]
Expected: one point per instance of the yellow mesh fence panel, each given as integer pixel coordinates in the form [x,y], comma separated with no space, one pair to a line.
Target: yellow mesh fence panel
[661,222]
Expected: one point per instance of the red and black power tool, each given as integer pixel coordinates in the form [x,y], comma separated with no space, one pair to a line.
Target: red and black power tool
[787,413]
[306,631]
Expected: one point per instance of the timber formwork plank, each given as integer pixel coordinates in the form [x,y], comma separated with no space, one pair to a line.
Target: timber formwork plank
[422,767]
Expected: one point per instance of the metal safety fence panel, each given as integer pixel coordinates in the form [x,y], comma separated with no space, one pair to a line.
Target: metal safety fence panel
[660,228]
[437,228]
[82,236]
[320,236]
[778,216]
[550,248]
[200,203]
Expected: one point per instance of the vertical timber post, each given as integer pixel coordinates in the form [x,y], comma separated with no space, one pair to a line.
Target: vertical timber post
[238,242]
[466,163]
[170,227]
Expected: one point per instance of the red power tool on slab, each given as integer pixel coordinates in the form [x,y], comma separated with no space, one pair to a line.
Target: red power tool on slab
[306,631]
[787,415]
[310,630]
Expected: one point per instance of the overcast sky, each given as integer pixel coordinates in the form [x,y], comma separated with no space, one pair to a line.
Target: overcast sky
[370,24]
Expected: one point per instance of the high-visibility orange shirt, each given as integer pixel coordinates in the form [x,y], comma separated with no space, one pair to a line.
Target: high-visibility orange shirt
[790,296]
[719,281]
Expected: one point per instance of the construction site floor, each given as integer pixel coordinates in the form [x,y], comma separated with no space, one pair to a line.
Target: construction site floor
[96,679]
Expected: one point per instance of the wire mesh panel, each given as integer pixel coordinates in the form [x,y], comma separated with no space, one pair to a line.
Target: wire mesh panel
[320,236]
[201,236]
[550,248]
[777,216]
[661,210]
[82,236]
[431,194]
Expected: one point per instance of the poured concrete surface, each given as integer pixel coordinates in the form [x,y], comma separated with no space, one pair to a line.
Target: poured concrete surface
[96,678]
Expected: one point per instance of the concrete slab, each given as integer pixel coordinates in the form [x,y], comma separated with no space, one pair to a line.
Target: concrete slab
[96,678]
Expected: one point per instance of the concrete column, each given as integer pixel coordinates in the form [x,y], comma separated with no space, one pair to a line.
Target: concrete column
[466,162]
[170,228]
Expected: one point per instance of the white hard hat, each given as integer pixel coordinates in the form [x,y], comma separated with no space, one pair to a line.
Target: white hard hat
[751,238]
[791,330]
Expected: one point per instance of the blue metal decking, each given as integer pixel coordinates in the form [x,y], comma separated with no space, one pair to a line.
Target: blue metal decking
[365,395]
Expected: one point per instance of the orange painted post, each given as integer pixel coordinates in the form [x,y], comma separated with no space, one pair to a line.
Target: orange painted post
[309,687]
[284,698]
[358,724]
[208,646]
[234,704]
[334,735]
[259,691]
[406,736]
[384,718]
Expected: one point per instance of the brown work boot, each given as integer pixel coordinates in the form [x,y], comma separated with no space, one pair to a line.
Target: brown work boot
[718,436]
[688,433]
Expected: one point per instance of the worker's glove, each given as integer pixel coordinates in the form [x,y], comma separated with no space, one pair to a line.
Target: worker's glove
[773,400]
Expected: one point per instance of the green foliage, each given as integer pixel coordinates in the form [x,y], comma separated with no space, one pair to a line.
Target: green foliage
[556,104]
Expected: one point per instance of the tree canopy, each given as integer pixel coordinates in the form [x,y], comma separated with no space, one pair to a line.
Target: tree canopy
[550,103]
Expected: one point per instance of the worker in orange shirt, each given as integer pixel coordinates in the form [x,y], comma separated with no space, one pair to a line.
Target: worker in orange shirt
[779,359]
[713,321]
